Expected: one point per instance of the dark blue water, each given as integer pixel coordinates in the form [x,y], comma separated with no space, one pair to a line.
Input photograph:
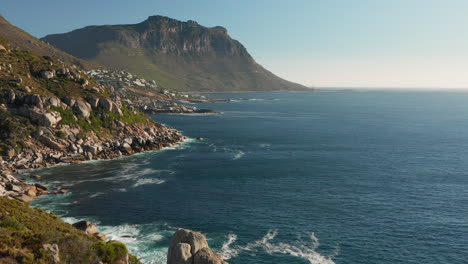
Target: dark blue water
[326,177]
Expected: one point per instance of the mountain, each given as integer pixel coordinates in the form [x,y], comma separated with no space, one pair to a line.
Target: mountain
[178,55]
[23,40]
[52,111]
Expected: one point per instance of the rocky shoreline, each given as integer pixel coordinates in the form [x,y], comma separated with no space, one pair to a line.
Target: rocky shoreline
[139,140]
[174,108]
[53,112]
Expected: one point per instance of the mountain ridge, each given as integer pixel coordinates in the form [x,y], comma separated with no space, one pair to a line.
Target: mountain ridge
[24,40]
[179,55]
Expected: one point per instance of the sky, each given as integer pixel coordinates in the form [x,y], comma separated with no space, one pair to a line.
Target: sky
[319,43]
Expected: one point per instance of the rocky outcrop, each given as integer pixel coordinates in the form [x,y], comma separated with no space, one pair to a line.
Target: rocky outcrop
[49,142]
[90,229]
[106,104]
[189,247]
[56,142]
[42,117]
[176,109]
[47,74]
[14,188]
[82,108]
[53,251]
[207,256]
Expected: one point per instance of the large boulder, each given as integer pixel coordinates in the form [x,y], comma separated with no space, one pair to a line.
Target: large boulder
[196,240]
[53,251]
[106,104]
[82,108]
[86,226]
[47,74]
[181,254]
[207,256]
[93,101]
[54,101]
[91,149]
[41,117]
[69,101]
[63,71]
[51,143]
[187,246]
[34,100]
[90,229]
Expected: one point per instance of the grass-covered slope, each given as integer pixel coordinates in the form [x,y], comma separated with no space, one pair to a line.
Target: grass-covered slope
[24,231]
[23,40]
[178,55]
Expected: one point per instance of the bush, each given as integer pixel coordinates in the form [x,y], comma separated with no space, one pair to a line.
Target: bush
[23,231]
[111,251]
[10,223]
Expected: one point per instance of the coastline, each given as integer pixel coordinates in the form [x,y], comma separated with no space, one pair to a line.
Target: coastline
[307,90]
[94,150]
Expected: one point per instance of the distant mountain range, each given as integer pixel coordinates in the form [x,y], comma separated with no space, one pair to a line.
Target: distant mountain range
[178,55]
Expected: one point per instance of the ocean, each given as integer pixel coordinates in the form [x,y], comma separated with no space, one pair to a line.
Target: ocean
[296,178]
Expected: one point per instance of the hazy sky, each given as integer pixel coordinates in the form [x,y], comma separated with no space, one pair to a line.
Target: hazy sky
[344,43]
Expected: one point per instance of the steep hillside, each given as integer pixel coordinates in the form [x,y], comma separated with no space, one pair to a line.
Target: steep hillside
[22,40]
[34,236]
[178,55]
[52,111]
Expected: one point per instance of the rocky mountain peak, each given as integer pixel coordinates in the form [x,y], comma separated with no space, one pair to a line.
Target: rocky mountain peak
[179,55]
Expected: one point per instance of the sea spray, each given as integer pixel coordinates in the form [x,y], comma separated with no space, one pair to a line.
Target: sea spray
[298,248]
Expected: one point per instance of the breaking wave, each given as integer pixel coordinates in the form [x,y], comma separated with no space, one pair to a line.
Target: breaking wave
[148,241]
[306,250]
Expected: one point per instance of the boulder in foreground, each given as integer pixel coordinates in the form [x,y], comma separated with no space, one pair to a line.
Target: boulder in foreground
[189,247]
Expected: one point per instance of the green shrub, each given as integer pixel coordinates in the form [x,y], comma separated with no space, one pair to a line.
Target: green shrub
[68,117]
[133,260]
[111,251]
[61,134]
[10,223]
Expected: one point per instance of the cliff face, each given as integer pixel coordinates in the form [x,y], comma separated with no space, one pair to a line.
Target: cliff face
[179,55]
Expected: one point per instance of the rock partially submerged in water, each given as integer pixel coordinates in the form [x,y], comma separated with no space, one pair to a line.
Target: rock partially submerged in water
[189,247]
[19,189]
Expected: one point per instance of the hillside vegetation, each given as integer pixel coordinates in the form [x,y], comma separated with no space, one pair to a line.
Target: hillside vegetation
[29,235]
[22,40]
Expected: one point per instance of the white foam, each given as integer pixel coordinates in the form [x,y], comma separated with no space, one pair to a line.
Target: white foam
[127,168]
[141,240]
[145,181]
[96,194]
[239,154]
[226,251]
[307,250]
